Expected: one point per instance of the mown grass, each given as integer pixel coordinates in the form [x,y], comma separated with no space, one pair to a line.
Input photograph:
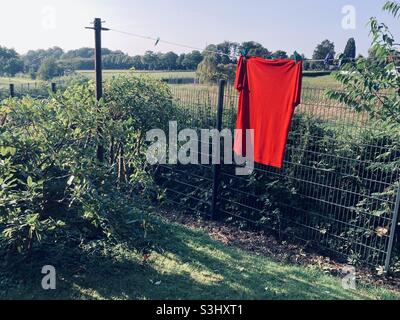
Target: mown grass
[192,266]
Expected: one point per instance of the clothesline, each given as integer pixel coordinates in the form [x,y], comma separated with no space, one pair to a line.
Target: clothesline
[159,40]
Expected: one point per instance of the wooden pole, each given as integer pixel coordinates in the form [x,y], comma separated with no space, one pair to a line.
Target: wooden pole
[12,90]
[98,28]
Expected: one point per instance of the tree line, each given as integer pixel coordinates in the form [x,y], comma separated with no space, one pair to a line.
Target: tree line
[215,60]
[216,66]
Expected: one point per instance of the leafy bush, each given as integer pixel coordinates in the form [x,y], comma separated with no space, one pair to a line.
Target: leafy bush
[52,186]
[372,86]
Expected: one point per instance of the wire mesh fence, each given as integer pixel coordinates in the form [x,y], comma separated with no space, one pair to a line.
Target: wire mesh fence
[336,193]
[33,89]
[338,189]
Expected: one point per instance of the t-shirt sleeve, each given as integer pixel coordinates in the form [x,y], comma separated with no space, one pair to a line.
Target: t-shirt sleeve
[240,74]
[299,84]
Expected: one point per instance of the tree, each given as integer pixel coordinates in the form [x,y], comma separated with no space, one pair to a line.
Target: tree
[137,63]
[13,66]
[372,85]
[34,58]
[150,60]
[280,54]
[350,50]
[192,60]
[207,70]
[228,50]
[10,62]
[179,61]
[80,53]
[49,69]
[168,61]
[255,49]
[321,52]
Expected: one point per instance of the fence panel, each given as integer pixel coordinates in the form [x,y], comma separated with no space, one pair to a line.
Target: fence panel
[337,191]
[37,90]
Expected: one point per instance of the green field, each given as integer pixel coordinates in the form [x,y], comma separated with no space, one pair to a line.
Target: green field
[156,74]
[5,82]
[325,82]
[312,82]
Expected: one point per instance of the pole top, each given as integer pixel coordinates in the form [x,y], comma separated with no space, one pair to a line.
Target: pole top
[98,25]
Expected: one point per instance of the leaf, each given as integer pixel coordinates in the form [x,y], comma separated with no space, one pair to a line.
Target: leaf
[382,232]
[71,180]
[7,151]
[29,182]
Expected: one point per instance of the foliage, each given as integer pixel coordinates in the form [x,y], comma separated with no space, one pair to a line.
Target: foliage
[350,50]
[191,60]
[255,49]
[34,58]
[52,187]
[372,85]
[280,54]
[209,71]
[10,62]
[321,51]
[137,105]
[49,69]
[312,191]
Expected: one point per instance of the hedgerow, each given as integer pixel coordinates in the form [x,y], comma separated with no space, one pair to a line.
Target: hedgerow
[52,187]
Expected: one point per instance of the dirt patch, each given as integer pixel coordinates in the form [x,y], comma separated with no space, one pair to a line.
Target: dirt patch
[262,244]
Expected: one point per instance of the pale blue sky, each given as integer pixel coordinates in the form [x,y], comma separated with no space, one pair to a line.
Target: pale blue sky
[289,25]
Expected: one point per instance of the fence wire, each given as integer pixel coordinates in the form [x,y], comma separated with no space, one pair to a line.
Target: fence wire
[38,90]
[337,190]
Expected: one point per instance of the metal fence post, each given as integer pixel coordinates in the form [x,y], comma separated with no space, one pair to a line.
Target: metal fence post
[217,167]
[393,228]
[12,90]
[53,87]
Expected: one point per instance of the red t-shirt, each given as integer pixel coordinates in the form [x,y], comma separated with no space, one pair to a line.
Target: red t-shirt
[269,92]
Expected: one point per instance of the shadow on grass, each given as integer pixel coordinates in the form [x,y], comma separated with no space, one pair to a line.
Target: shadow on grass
[193,266]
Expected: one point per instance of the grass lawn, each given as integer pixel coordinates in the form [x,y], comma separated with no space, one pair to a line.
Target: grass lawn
[192,266]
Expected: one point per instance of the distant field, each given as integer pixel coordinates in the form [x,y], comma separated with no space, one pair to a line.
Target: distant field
[156,74]
[5,82]
[325,82]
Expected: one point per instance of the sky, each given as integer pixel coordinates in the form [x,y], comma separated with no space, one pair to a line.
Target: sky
[288,25]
